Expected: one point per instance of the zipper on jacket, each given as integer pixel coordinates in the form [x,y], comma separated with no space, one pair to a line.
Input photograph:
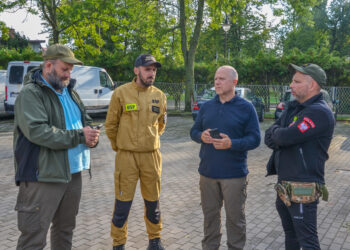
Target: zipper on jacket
[138,115]
[63,124]
[303,159]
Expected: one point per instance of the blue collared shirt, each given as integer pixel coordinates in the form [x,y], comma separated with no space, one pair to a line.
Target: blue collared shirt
[79,156]
[236,118]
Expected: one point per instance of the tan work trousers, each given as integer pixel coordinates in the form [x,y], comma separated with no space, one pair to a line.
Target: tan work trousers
[129,168]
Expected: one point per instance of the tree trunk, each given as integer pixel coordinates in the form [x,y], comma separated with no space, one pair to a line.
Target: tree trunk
[189,54]
[55,36]
[189,82]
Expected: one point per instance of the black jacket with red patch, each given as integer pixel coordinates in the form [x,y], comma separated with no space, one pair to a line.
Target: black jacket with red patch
[300,140]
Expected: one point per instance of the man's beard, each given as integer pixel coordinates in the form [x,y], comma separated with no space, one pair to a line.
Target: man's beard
[144,82]
[58,83]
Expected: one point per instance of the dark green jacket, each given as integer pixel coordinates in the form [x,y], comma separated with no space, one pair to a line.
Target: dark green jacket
[41,141]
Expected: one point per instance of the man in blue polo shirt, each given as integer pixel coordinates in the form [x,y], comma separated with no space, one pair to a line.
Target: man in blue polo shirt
[223,161]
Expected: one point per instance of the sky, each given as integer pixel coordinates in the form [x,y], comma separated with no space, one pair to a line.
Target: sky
[26,24]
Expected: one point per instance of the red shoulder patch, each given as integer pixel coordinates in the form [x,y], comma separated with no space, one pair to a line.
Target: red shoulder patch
[303,127]
[308,120]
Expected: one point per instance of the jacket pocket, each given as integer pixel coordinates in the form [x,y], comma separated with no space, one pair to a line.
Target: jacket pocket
[28,218]
[153,114]
[27,156]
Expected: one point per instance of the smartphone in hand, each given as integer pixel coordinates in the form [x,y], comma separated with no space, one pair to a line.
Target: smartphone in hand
[99,126]
[214,133]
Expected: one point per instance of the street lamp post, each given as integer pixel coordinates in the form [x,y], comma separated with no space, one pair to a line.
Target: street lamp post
[226,27]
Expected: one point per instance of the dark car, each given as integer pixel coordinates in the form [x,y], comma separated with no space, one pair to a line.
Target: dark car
[245,93]
[287,97]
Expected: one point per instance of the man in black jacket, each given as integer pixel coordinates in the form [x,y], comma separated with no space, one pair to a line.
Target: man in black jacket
[300,140]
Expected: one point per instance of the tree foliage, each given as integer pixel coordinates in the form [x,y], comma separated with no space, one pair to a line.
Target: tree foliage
[186,36]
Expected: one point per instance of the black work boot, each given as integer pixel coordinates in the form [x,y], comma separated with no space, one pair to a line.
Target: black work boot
[155,244]
[119,247]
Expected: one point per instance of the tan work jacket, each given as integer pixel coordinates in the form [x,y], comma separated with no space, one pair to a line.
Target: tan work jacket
[136,118]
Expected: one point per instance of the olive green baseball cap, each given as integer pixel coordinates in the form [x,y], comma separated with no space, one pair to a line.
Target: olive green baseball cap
[313,70]
[61,52]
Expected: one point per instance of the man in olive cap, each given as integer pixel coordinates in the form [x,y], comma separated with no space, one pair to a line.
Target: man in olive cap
[52,138]
[300,140]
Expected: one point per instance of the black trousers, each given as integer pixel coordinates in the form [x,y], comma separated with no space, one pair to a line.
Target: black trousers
[299,223]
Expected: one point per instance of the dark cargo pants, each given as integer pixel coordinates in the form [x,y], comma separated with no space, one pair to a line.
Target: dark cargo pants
[39,204]
[299,223]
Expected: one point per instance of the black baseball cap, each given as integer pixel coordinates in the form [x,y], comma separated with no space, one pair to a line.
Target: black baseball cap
[146,60]
[313,70]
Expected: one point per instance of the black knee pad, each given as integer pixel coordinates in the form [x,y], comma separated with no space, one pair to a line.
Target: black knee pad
[152,211]
[121,212]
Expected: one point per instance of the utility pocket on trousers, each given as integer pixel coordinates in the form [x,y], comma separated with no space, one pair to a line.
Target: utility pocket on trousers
[28,217]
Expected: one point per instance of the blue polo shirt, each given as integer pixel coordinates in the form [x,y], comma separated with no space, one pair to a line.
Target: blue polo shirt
[236,118]
[79,156]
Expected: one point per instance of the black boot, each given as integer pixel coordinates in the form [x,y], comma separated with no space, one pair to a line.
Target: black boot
[155,244]
[119,247]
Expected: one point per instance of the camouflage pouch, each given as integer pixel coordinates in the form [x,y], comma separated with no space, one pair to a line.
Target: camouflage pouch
[323,191]
[283,194]
[303,192]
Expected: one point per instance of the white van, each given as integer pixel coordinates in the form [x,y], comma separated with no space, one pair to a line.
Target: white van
[2,90]
[93,85]
[14,79]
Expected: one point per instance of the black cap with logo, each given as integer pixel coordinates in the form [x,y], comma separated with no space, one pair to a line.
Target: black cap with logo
[146,60]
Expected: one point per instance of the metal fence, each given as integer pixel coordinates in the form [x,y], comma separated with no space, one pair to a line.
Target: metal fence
[270,95]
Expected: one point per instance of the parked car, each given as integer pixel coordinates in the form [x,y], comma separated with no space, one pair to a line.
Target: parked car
[2,89]
[93,84]
[288,97]
[245,93]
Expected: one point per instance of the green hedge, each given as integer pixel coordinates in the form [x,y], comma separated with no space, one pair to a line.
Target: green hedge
[266,68]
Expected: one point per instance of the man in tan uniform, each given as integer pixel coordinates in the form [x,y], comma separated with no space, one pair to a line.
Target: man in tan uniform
[135,120]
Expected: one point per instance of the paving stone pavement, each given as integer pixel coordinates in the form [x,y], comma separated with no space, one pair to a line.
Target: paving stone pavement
[180,202]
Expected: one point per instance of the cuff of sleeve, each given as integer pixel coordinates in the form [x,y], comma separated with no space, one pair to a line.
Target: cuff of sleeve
[199,137]
[81,137]
[273,128]
[234,144]
[114,146]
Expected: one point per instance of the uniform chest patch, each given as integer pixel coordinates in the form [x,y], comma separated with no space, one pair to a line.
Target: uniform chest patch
[156,109]
[155,101]
[303,127]
[130,107]
[309,121]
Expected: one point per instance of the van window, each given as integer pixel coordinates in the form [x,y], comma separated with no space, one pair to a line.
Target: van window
[30,68]
[105,80]
[16,74]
